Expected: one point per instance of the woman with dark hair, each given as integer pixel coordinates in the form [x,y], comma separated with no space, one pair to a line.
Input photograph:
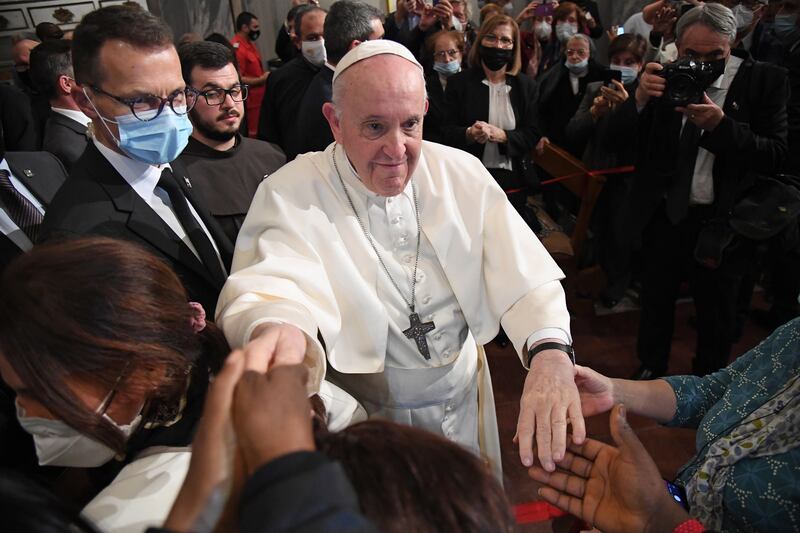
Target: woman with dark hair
[589,127]
[110,364]
[445,51]
[408,479]
[568,20]
[491,107]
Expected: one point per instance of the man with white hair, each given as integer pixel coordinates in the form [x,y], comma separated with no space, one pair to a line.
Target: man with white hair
[385,262]
[694,164]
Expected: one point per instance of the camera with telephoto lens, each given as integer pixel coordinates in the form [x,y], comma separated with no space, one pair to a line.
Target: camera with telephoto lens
[687,80]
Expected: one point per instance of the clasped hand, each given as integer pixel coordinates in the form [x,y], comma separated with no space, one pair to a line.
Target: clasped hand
[482,132]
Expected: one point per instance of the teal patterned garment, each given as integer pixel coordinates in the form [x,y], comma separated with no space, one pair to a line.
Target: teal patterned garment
[761,493]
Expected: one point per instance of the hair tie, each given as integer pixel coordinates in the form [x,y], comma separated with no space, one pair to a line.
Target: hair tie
[198,318]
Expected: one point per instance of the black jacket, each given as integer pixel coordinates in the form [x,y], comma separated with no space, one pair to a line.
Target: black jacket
[64,138]
[557,103]
[96,200]
[468,100]
[312,133]
[750,139]
[17,123]
[282,97]
[436,117]
[42,174]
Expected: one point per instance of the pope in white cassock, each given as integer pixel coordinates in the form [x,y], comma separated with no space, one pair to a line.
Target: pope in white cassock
[385,262]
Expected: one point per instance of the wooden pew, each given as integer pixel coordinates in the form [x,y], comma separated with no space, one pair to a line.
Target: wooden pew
[560,164]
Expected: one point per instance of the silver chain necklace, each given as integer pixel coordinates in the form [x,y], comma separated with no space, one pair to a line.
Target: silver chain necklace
[418,329]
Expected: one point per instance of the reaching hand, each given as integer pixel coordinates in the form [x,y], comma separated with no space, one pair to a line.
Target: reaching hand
[213,452]
[665,20]
[271,415]
[273,345]
[596,391]
[529,12]
[550,401]
[618,490]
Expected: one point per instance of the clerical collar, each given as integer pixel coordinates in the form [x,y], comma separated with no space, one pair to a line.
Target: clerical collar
[199,149]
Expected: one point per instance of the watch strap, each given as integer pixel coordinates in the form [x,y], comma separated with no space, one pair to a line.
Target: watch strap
[566,348]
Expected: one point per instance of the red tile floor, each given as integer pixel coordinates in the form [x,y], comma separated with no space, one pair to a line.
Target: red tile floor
[607,344]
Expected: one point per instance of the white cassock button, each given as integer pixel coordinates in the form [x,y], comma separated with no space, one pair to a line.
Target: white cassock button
[429,318]
[420,276]
[402,240]
[426,300]
[408,259]
[437,337]
[397,219]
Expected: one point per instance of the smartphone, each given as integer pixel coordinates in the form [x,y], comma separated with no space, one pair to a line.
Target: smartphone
[620,30]
[544,10]
[611,74]
[678,494]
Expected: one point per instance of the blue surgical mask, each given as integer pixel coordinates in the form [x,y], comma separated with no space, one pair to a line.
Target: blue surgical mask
[578,69]
[629,74]
[155,142]
[447,68]
[786,29]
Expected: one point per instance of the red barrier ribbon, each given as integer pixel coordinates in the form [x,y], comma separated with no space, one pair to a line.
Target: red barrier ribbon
[539,511]
[592,173]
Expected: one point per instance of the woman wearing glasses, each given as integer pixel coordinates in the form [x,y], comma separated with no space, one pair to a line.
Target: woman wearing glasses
[445,51]
[491,107]
[110,365]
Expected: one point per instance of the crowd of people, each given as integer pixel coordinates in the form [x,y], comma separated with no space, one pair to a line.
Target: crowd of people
[241,295]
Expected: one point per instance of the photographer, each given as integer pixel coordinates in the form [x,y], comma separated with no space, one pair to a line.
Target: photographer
[694,161]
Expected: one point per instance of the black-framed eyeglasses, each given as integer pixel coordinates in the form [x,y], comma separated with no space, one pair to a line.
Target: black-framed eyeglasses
[181,101]
[216,96]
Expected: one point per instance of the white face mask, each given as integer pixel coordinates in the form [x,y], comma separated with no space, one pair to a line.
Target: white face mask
[508,8]
[565,30]
[314,52]
[456,24]
[543,30]
[58,444]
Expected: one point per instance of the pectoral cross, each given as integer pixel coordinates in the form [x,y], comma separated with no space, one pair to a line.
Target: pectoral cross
[417,331]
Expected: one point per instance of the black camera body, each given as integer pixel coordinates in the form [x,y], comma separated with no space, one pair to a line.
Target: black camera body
[687,80]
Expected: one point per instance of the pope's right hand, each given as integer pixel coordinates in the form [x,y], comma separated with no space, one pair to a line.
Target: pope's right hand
[274,345]
[651,84]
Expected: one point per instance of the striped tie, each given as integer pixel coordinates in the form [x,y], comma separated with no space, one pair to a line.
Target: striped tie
[21,210]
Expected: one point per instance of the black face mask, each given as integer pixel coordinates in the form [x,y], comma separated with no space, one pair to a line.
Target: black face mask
[495,58]
[254,35]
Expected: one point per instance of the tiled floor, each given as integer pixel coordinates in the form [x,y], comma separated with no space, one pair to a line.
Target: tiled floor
[606,344]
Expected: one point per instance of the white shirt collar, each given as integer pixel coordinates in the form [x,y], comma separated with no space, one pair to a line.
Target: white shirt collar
[73,114]
[332,67]
[142,177]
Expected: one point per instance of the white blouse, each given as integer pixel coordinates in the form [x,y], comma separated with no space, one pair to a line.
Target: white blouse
[501,114]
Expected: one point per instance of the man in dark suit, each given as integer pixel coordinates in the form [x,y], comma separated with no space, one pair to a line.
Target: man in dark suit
[127,183]
[287,85]
[349,22]
[694,163]
[65,129]
[28,182]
